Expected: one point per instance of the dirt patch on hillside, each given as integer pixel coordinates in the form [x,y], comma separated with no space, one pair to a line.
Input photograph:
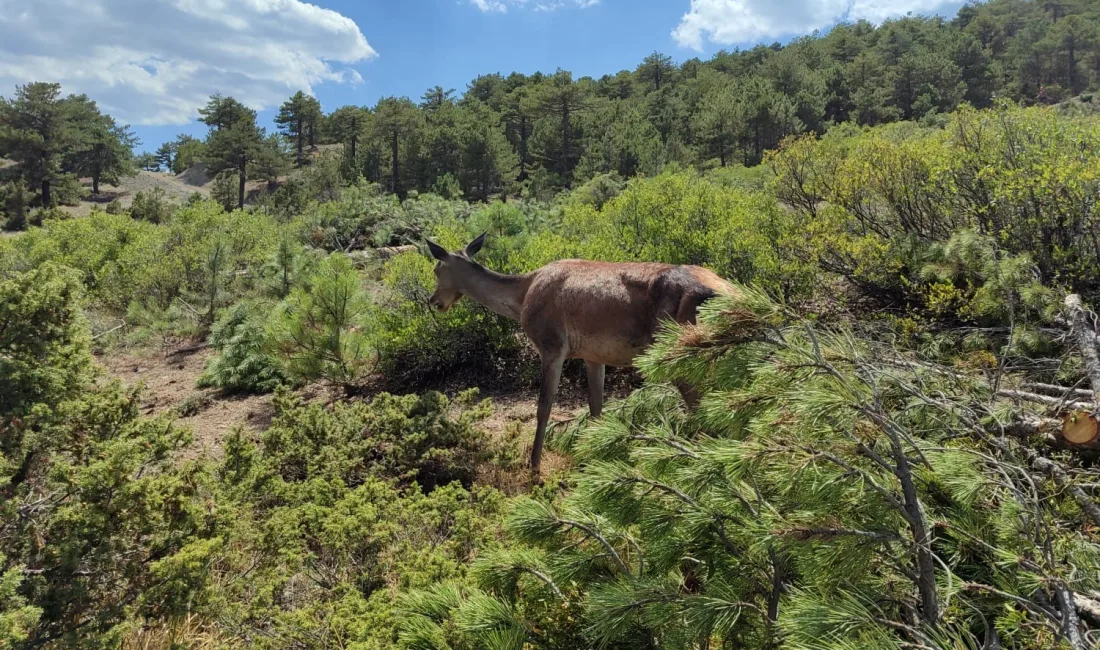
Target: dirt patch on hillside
[177,189]
[169,387]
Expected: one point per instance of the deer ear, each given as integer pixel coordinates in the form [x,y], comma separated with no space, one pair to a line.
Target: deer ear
[437,251]
[475,246]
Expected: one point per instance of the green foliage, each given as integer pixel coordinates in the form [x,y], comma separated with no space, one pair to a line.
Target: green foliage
[17,618]
[153,207]
[43,342]
[416,345]
[675,218]
[95,503]
[318,331]
[16,203]
[122,260]
[243,364]
[872,203]
[825,495]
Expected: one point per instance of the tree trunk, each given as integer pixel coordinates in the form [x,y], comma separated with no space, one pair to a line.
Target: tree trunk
[523,148]
[565,142]
[298,137]
[1071,54]
[396,169]
[352,142]
[46,202]
[95,184]
[243,178]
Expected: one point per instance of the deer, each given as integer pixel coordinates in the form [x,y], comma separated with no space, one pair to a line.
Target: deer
[605,313]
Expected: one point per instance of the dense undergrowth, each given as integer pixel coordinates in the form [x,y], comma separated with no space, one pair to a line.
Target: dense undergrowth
[850,480]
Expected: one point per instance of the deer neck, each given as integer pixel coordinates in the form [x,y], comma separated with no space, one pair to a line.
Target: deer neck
[499,293]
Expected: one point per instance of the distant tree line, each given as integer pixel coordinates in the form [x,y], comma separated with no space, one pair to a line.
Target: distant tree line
[52,140]
[535,134]
[550,131]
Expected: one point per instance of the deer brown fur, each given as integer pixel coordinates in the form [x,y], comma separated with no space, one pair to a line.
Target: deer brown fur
[602,312]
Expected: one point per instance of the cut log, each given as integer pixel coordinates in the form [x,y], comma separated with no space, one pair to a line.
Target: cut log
[1080,428]
[1087,608]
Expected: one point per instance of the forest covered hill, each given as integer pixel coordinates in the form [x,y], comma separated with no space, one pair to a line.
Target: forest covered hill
[897,441]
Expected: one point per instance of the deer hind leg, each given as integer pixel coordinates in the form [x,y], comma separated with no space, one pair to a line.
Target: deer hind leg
[690,395]
[551,377]
[596,373]
[687,314]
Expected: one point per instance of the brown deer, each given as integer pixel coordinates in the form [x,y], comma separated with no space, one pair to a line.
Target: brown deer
[604,313]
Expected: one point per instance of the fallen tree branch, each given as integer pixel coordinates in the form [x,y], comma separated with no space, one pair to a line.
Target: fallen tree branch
[182,351]
[1086,341]
[1053,402]
[110,331]
[1062,478]
[1058,391]
[1088,608]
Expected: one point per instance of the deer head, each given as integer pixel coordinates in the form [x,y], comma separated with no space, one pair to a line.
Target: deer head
[453,272]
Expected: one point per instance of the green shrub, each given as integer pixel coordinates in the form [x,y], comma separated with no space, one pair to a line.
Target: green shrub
[677,219]
[194,404]
[44,340]
[871,203]
[319,331]
[417,346]
[114,207]
[447,187]
[226,190]
[67,191]
[153,206]
[43,215]
[15,200]
[243,363]
[425,439]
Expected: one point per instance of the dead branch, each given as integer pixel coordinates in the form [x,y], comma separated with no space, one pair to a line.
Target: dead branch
[1086,341]
[1087,608]
[1062,478]
[1058,391]
[183,351]
[1053,402]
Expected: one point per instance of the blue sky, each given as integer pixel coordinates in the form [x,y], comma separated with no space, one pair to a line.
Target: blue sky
[151,63]
[424,43]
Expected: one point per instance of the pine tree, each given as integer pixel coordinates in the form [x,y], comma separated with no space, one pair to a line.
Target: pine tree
[656,69]
[36,130]
[106,151]
[395,120]
[293,119]
[223,112]
[165,155]
[235,140]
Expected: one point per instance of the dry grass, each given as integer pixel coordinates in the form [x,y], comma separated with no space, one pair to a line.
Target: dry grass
[189,632]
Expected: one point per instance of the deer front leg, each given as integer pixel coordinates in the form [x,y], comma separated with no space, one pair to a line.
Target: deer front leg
[551,377]
[596,372]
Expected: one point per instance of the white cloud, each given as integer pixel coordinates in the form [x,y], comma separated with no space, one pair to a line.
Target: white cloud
[157,61]
[729,22]
[502,6]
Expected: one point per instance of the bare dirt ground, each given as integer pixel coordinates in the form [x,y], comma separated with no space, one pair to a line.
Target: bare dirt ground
[169,384]
[169,388]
